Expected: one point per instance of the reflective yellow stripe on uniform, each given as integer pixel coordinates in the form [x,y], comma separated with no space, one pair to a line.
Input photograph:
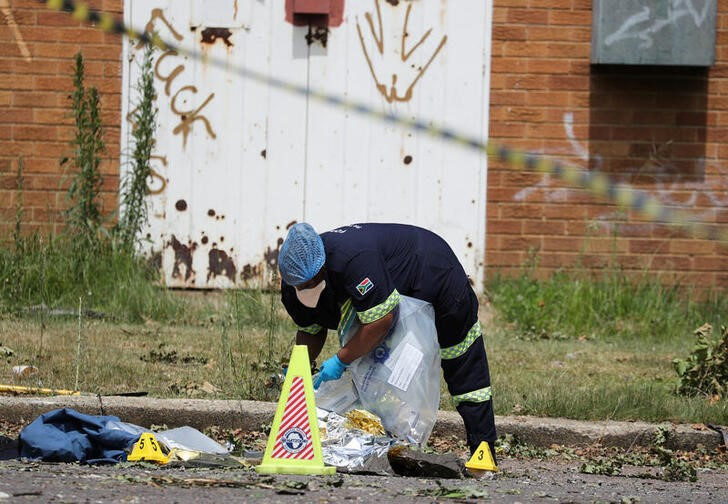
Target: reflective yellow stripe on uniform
[347,317]
[312,329]
[379,311]
[481,395]
[462,347]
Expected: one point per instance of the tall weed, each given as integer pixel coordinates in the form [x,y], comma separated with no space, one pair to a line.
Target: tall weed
[16,269]
[49,272]
[134,190]
[84,215]
[255,316]
[705,371]
[122,286]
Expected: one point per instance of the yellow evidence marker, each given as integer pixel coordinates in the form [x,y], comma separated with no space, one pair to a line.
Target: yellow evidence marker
[482,460]
[293,445]
[147,449]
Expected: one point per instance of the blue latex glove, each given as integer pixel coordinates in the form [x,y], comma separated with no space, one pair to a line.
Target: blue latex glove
[331,369]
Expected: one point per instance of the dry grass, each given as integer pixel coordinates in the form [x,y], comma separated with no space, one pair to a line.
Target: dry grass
[236,351]
[597,379]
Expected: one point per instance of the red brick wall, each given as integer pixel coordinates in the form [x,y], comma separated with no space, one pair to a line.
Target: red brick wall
[34,107]
[661,129]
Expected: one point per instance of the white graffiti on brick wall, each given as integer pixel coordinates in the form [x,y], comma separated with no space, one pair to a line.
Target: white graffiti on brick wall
[672,187]
[544,186]
[644,24]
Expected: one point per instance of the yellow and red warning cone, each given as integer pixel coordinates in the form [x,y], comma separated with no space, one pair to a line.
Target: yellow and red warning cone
[294,446]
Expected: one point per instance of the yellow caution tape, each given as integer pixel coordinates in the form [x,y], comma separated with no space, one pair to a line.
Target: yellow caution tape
[17,389]
[598,183]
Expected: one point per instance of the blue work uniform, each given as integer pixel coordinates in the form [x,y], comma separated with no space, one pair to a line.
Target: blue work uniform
[370,266]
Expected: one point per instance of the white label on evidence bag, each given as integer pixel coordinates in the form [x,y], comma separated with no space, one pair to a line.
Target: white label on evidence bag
[391,361]
[405,367]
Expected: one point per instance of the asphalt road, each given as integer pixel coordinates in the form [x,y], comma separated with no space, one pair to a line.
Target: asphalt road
[518,481]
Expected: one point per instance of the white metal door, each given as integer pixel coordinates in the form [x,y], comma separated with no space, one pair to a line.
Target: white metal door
[236,162]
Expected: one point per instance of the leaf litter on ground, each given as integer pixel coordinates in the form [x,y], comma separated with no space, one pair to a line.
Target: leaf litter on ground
[443,492]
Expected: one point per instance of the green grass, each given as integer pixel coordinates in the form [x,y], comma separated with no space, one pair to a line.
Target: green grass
[164,359]
[597,347]
[606,379]
[598,379]
[562,347]
[570,305]
[55,273]
[92,264]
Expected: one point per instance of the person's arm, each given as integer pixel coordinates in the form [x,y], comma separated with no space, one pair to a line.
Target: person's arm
[314,342]
[365,339]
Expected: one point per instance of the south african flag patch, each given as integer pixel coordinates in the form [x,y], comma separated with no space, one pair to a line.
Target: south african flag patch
[365,286]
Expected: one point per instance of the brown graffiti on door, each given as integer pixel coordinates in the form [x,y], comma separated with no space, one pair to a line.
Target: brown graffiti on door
[399,79]
[187,117]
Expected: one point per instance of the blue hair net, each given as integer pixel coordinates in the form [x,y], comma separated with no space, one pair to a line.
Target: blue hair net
[302,254]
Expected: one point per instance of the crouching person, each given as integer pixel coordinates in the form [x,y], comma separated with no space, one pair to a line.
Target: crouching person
[372,265]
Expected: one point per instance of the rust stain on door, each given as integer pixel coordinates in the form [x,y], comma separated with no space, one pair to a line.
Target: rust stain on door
[219,263]
[271,255]
[212,35]
[183,257]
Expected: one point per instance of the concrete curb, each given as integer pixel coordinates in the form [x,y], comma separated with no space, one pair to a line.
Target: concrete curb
[250,415]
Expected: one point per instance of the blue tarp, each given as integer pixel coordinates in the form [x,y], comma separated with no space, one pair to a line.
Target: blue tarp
[65,435]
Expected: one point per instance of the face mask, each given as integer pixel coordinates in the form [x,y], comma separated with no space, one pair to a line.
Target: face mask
[310,297]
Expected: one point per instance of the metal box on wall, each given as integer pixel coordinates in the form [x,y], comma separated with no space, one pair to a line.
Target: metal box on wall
[654,32]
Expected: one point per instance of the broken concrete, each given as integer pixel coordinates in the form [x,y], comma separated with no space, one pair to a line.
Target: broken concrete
[414,463]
